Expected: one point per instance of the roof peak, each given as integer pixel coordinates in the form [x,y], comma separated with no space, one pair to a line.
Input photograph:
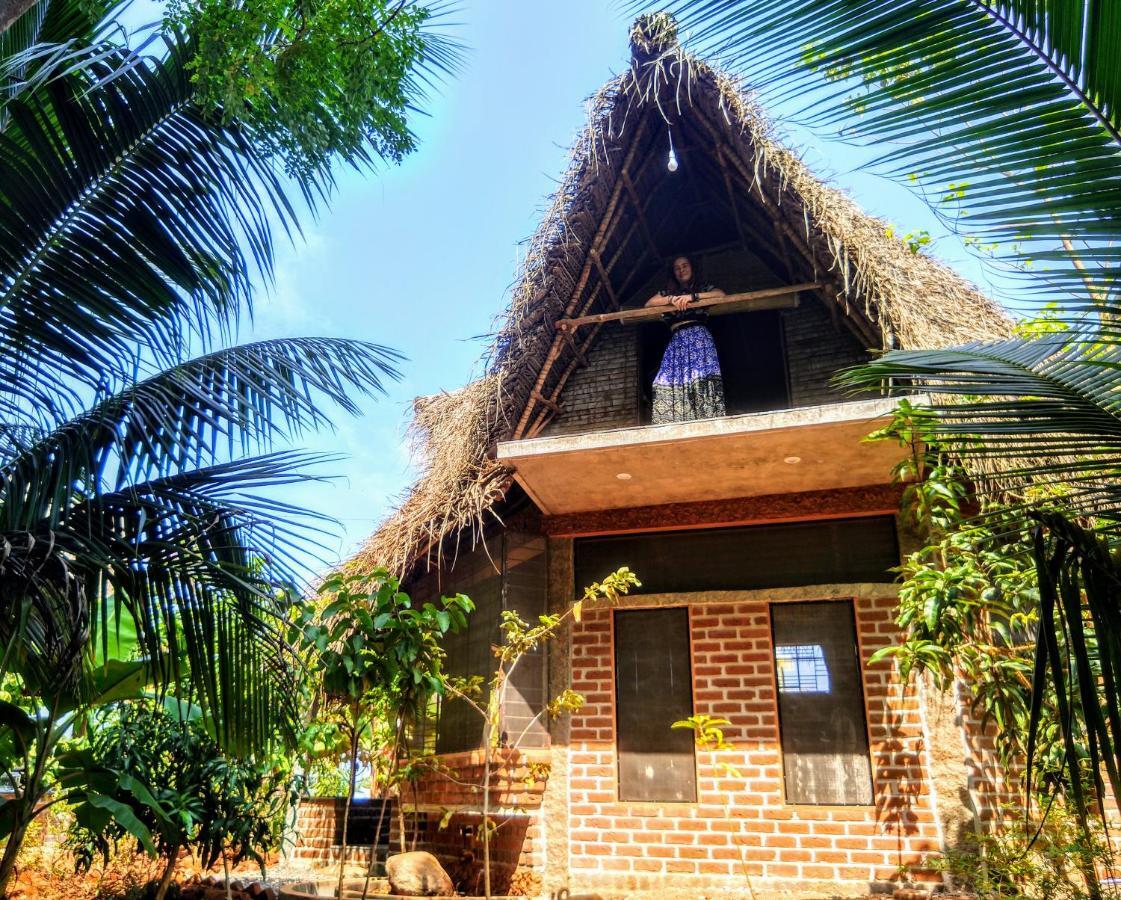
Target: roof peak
[652,35]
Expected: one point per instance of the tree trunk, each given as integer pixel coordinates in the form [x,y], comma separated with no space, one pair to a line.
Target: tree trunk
[486,810]
[10,10]
[11,852]
[374,849]
[168,871]
[401,819]
[346,808]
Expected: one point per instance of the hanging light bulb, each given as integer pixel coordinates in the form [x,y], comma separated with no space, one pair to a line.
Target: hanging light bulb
[671,163]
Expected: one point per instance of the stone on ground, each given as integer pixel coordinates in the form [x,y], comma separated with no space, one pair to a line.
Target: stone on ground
[418,874]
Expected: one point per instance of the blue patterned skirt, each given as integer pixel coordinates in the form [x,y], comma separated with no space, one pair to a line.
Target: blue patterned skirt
[688,384]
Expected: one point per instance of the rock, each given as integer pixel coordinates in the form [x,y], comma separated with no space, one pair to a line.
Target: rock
[417,874]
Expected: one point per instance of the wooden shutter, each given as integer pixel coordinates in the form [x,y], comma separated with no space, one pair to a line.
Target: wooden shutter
[654,689]
[821,704]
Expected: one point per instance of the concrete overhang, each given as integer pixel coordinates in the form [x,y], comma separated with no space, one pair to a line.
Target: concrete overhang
[788,451]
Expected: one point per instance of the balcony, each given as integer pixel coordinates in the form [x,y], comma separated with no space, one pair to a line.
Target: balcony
[787,451]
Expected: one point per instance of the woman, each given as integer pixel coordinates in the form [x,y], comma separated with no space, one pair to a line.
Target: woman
[688,384]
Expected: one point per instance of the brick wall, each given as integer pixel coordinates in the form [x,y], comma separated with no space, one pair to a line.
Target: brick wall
[444,815]
[745,821]
[319,827]
[604,393]
[815,350]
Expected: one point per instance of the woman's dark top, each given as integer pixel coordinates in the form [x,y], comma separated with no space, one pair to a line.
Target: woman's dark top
[677,319]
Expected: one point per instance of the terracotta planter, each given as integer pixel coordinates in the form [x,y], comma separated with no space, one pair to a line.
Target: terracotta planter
[352,890]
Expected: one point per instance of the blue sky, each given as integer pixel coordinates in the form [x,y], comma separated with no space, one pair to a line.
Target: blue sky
[420,257]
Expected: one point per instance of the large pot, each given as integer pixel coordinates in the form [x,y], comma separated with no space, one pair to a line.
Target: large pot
[352,890]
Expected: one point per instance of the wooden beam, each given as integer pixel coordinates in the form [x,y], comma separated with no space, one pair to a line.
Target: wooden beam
[600,237]
[767,298]
[545,401]
[731,194]
[605,279]
[640,212]
[605,221]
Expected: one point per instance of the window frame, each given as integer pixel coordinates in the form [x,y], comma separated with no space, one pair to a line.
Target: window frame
[688,609]
[858,649]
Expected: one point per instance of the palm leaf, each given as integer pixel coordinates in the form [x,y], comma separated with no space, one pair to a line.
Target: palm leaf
[1043,411]
[129,219]
[1018,102]
[203,567]
[236,400]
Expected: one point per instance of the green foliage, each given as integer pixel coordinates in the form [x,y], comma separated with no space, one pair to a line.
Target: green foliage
[177,783]
[708,737]
[310,82]
[369,638]
[968,597]
[377,661]
[138,199]
[1011,864]
[915,241]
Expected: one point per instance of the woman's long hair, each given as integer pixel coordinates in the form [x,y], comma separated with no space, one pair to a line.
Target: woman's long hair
[673,286]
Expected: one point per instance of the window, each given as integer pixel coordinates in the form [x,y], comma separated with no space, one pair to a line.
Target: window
[801,669]
[654,689]
[821,704]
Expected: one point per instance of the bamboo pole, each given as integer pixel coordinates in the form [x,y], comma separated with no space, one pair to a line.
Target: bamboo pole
[767,298]
[601,236]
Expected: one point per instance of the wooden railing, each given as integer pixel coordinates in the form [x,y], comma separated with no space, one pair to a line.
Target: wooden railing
[785,297]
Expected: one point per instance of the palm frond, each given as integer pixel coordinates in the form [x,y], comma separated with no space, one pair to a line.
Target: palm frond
[1015,103]
[1044,411]
[129,219]
[203,566]
[231,401]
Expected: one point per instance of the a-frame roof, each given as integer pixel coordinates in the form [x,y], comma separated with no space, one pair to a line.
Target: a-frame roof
[604,229]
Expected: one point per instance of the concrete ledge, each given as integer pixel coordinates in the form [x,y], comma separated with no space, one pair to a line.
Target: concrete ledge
[811,448]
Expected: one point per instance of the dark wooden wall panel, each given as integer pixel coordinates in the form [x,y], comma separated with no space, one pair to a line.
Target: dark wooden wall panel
[653,689]
[509,573]
[757,556]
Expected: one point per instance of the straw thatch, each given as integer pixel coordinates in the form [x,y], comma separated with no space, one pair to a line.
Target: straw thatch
[592,239]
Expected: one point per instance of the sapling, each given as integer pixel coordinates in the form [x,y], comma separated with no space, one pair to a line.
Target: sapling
[708,737]
[517,639]
[376,651]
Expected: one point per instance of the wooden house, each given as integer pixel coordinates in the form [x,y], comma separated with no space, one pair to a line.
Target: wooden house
[764,539]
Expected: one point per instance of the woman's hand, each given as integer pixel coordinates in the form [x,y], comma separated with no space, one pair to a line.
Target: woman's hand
[680,302]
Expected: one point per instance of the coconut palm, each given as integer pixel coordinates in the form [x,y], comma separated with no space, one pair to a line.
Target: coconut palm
[1011,109]
[137,449]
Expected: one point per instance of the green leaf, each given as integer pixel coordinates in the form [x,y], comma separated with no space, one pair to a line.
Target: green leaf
[19,725]
[120,813]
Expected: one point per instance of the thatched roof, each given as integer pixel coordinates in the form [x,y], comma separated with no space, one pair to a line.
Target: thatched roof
[600,232]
